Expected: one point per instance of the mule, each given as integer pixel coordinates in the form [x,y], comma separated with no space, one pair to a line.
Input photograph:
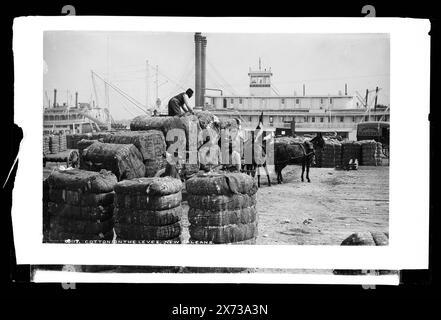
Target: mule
[301,153]
[285,153]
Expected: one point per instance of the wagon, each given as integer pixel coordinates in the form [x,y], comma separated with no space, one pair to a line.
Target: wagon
[70,157]
[375,130]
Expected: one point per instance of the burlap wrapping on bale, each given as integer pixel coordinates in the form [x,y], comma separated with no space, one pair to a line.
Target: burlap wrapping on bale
[73,139]
[62,142]
[143,201]
[81,227]
[379,154]
[369,154]
[222,208]
[224,234]
[144,232]
[330,155]
[221,184]
[290,140]
[165,124]
[85,213]
[82,180]
[124,160]
[189,169]
[366,238]
[46,215]
[79,198]
[359,239]
[46,144]
[62,156]
[245,242]
[221,218]
[54,143]
[149,186]
[205,118]
[153,166]
[221,202]
[150,143]
[148,217]
[80,205]
[148,209]
[228,123]
[84,143]
[46,188]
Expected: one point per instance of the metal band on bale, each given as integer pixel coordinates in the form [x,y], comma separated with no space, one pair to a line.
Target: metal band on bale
[80,227]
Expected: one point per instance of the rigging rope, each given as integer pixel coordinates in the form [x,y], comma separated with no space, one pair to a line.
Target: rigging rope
[124,94]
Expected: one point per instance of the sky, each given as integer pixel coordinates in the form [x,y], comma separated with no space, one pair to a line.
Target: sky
[323,62]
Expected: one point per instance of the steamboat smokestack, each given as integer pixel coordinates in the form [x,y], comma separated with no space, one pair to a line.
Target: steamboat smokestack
[203,69]
[55,98]
[76,99]
[197,41]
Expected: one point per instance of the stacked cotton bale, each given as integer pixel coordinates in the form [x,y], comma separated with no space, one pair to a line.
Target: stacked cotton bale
[222,208]
[337,157]
[73,139]
[148,210]
[54,143]
[165,124]
[370,153]
[379,154]
[228,124]
[330,155]
[46,144]
[62,141]
[83,144]
[350,150]
[189,169]
[291,140]
[123,160]
[46,218]
[205,118]
[150,143]
[79,205]
[367,238]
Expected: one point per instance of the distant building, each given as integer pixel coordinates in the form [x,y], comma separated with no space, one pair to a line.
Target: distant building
[311,113]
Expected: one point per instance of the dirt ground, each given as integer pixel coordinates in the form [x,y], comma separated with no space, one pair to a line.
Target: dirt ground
[324,212]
